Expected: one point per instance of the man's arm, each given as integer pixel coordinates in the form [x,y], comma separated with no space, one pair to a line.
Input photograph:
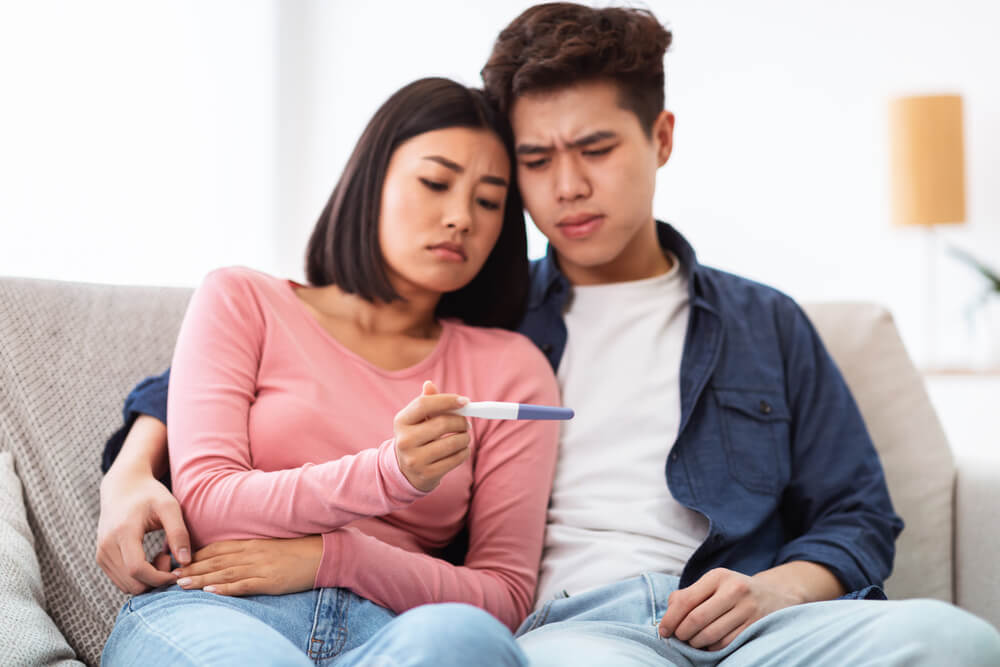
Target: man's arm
[133,503]
[836,506]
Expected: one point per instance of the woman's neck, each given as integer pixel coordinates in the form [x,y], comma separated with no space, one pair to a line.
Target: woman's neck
[412,317]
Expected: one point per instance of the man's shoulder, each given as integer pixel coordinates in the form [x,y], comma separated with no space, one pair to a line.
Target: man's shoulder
[730,294]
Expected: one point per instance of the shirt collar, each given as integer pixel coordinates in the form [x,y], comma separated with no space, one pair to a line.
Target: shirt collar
[548,277]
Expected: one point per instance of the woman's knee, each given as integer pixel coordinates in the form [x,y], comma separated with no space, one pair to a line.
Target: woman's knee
[454,630]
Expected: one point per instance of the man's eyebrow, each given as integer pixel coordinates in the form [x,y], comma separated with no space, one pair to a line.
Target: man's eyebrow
[587,140]
[459,169]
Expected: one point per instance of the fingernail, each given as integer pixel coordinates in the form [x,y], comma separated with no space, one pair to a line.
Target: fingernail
[185,582]
[176,573]
[184,555]
[463,400]
[209,589]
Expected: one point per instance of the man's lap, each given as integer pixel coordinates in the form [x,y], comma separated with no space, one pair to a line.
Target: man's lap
[617,624]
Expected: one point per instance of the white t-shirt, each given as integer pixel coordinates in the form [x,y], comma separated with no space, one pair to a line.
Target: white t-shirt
[611,515]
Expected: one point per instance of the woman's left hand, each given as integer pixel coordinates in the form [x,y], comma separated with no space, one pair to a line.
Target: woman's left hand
[254,567]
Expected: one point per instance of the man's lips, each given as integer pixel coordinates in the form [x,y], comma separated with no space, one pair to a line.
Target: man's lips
[579,225]
[577,219]
[452,252]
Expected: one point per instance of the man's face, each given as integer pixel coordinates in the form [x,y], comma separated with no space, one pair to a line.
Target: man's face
[587,173]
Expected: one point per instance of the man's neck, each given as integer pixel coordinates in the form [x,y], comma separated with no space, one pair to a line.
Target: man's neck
[641,258]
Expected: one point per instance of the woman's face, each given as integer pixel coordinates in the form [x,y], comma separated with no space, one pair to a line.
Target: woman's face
[442,208]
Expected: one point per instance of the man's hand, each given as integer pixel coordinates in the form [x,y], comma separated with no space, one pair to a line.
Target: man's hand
[712,611]
[429,441]
[134,503]
[254,567]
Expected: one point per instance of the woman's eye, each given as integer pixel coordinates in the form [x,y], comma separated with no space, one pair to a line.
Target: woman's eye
[598,151]
[488,205]
[434,185]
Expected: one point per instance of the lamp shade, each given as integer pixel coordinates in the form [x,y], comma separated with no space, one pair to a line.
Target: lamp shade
[928,160]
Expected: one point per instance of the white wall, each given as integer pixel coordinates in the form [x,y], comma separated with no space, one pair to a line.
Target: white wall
[137,139]
[149,142]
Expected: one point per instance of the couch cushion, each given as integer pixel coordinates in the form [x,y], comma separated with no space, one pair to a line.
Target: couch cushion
[28,635]
[864,341]
[69,353]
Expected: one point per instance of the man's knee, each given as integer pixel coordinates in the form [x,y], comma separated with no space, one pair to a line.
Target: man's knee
[944,634]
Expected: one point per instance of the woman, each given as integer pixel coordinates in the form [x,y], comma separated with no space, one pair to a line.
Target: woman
[285,419]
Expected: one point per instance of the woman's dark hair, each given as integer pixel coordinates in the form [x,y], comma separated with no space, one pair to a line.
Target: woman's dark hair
[558,44]
[344,248]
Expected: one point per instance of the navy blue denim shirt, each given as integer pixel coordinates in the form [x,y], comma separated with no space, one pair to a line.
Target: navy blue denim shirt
[771,447]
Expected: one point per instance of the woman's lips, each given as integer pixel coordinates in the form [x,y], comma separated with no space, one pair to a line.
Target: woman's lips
[579,227]
[449,252]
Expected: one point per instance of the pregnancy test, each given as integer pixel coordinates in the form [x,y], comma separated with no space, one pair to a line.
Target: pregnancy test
[500,410]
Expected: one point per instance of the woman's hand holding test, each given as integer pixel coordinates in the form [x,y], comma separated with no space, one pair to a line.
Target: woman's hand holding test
[429,441]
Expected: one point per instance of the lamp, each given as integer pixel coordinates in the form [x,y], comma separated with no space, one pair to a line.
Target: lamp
[928,173]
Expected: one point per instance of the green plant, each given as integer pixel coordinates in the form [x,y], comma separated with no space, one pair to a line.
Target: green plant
[992,277]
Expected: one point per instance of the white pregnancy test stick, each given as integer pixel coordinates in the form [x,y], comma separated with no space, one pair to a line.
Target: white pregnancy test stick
[500,410]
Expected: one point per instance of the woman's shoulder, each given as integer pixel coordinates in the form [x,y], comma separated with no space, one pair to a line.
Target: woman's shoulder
[242,279]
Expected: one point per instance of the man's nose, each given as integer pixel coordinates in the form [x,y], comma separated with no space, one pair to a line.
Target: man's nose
[571,180]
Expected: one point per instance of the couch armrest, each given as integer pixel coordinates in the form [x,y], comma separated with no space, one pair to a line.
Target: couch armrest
[977,537]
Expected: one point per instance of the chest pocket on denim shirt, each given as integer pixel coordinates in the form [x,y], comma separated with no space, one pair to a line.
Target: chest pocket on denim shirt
[755,434]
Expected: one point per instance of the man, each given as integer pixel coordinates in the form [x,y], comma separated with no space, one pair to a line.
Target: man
[718,490]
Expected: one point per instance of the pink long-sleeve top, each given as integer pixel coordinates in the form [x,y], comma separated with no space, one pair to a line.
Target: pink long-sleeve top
[278,430]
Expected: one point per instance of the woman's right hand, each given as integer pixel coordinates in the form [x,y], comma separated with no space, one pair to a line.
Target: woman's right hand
[429,441]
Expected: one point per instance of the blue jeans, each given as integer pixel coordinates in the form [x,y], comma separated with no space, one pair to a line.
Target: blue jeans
[328,626]
[618,625]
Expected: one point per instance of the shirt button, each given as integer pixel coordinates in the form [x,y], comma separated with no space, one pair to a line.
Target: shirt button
[765,407]
[547,348]
[674,456]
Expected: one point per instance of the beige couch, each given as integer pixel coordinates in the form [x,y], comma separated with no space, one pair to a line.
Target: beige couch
[70,352]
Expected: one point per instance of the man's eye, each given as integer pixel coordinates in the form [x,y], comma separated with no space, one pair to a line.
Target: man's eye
[598,151]
[535,164]
[488,205]
[434,185]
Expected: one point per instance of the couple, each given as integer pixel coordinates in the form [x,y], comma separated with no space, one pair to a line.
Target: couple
[714,497]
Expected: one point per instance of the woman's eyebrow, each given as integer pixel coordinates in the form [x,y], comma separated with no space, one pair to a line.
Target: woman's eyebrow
[459,169]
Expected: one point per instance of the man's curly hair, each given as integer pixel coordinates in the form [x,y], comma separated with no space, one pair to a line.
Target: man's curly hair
[555,45]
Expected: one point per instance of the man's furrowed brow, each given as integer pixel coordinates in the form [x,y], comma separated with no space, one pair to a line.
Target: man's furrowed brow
[592,138]
[582,142]
[445,162]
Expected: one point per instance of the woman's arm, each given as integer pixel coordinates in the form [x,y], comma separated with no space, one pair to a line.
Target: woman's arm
[133,503]
[506,517]
[213,385]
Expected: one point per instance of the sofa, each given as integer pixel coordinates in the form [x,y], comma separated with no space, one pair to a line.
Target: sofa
[69,353]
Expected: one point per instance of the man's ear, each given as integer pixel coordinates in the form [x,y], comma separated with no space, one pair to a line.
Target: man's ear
[663,136]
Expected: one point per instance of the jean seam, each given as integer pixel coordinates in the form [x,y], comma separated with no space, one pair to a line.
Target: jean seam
[152,630]
[543,614]
[652,597]
[315,626]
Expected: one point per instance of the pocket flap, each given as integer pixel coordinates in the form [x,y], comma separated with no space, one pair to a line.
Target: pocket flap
[758,404]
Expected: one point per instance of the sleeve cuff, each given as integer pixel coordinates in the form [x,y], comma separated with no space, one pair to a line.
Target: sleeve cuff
[397,486]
